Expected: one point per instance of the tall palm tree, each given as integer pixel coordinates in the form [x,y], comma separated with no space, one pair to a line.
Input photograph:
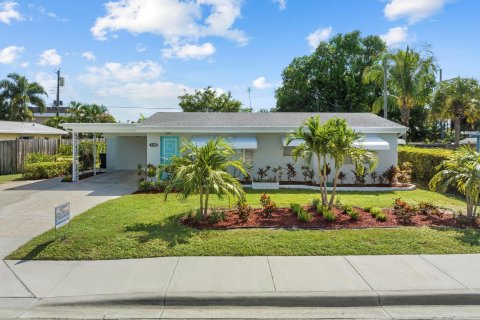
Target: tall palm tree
[457,99]
[315,144]
[342,144]
[461,171]
[89,113]
[411,79]
[204,171]
[17,94]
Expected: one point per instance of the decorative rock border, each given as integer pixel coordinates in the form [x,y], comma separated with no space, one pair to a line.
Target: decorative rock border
[408,187]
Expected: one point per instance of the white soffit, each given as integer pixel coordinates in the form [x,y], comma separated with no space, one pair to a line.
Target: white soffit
[372,142]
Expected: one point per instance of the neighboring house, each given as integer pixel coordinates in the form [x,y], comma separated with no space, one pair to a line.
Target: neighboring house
[49,113]
[258,138]
[12,130]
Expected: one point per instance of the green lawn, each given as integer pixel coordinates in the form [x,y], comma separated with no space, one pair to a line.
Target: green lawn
[10,177]
[138,226]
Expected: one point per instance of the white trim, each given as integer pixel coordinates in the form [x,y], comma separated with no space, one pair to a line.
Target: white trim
[363,189]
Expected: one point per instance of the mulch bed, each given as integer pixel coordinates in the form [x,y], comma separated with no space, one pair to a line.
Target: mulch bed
[285,218]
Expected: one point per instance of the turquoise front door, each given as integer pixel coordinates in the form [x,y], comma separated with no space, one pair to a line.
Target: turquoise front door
[168,147]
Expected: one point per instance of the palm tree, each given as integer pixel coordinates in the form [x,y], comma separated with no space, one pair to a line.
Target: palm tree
[411,79]
[203,171]
[342,145]
[315,143]
[461,171]
[17,95]
[457,99]
[90,113]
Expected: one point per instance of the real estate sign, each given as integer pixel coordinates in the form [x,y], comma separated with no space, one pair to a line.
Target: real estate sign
[62,215]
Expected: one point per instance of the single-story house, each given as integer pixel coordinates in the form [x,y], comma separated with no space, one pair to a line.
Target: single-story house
[12,130]
[258,138]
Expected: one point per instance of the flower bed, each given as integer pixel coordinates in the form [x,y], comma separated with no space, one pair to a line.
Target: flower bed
[350,218]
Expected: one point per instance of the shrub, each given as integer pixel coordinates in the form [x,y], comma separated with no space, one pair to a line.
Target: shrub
[354,215]
[321,209]
[85,153]
[378,214]
[428,208]
[37,157]
[391,174]
[145,186]
[295,207]
[268,205]
[330,216]
[243,211]
[216,215]
[403,211]
[424,161]
[405,172]
[45,170]
[315,202]
[304,216]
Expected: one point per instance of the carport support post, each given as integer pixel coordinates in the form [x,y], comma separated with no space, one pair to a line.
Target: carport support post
[74,157]
[94,156]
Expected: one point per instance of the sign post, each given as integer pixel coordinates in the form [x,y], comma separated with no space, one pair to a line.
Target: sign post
[62,216]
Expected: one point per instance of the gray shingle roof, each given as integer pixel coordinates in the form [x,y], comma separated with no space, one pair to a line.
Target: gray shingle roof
[27,128]
[261,119]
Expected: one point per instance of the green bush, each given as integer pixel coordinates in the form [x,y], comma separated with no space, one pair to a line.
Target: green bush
[424,161]
[316,202]
[354,215]
[85,153]
[329,216]
[45,170]
[304,216]
[378,214]
[37,157]
[295,207]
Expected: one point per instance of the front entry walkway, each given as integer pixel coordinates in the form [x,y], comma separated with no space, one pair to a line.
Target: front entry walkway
[27,207]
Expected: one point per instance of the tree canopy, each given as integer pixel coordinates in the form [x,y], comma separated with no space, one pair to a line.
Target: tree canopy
[209,100]
[330,79]
[17,94]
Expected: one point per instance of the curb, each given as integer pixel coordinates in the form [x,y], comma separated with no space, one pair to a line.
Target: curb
[276,299]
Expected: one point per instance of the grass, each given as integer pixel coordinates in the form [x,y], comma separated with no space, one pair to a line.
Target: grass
[10,177]
[139,226]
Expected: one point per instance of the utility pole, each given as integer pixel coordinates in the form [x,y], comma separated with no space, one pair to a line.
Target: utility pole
[249,98]
[385,98]
[57,102]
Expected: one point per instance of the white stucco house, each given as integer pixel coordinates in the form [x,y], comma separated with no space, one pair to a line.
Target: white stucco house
[258,138]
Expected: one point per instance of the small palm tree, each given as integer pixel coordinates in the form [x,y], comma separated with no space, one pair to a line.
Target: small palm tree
[17,95]
[457,99]
[203,171]
[461,171]
[315,144]
[342,145]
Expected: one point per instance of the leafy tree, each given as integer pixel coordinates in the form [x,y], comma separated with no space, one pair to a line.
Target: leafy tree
[208,100]
[89,113]
[56,122]
[411,79]
[204,171]
[330,79]
[461,171]
[457,99]
[16,95]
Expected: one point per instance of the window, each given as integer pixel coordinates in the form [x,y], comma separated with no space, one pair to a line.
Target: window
[287,151]
[246,155]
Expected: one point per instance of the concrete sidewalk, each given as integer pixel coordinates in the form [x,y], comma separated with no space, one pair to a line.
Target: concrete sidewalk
[350,281]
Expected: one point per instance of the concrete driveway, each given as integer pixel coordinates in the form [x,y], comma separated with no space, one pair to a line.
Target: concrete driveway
[27,207]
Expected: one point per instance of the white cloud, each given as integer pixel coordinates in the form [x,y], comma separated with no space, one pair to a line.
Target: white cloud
[88,55]
[413,10]
[24,64]
[282,4]
[50,58]
[47,80]
[189,51]
[145,90]
[137,71]
[261,83]
[180,23]
[395,35]
[318,36]
[140,47]
[8,12]
[10,54]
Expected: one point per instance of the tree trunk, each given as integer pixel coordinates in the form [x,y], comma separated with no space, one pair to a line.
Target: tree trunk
[405,117]
[206,205]
[457,125]
[201,201]
[334,191]
[320,176]
[324,187]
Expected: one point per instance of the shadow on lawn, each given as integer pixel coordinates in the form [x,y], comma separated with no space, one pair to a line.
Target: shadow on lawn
[37,250]
[169,230]
[470,236]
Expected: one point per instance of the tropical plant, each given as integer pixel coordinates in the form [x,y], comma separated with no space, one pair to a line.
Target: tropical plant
[342,176]
[204,171]
[391,174]
[278,173]
[291,171]
[17,95]
[374,176]
[268,206]
[462,172]
[457,99]
[263,172]
[405,172]
[360,175]
[89,113]
[243,210]
[308,173]
[411,79]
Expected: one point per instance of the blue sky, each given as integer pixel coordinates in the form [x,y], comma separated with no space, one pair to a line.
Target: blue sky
[137,56]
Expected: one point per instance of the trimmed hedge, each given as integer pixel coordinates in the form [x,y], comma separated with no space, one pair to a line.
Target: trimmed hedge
[45,170]
[424,161]
[36,157]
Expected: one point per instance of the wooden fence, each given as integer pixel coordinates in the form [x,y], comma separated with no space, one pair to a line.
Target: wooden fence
[14,153]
